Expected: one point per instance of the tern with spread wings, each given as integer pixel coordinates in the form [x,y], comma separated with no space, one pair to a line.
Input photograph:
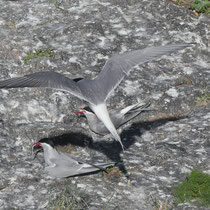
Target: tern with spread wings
[95,91]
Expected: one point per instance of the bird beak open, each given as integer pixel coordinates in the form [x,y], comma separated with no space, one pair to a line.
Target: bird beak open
[37,144]
[81,111]
[39,148]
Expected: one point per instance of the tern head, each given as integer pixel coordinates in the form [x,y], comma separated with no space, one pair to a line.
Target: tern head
[38,147]
[86,111]
[43,142]
[41,145]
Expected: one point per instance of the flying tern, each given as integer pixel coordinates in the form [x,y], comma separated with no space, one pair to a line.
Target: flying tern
[95,91]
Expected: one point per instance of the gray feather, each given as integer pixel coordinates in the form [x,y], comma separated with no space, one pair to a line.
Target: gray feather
[120,65]
[45,80]
[118,117]
[59,164]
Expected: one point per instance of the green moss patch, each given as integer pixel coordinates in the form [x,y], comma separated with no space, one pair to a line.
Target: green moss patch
[68,200]
[46,52]
[202,6]
[194,189]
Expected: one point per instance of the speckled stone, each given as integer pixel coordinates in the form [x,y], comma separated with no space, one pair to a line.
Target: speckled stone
[162,145]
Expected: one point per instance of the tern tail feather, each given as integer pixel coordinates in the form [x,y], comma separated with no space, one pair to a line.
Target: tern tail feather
[102,113]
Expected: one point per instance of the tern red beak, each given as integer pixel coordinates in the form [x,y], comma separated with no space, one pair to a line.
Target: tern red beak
[81,111]
[37,144]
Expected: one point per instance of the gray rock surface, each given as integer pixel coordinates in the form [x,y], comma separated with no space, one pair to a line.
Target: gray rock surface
[161,145]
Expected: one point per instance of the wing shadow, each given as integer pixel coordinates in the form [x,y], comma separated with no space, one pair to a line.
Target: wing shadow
[111,149]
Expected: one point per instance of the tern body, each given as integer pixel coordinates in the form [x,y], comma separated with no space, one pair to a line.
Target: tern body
[95,91]
[60,165]
[118,117]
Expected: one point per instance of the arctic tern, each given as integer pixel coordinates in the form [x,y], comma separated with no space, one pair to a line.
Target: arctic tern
[60,165]
[95,91]
[117,116]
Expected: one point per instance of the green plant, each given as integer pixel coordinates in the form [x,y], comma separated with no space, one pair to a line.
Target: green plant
[110,169]
[57,3]
[179,2]
[204,99]
[67,200]
[201,6]
[46,52]
[195,189]
[161,205]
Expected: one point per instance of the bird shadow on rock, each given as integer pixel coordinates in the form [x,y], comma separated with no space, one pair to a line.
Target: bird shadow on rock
[112,149]
[138,128]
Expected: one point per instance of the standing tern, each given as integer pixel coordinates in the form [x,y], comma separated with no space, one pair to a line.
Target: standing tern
[60,165]
[118,117]
[95,91]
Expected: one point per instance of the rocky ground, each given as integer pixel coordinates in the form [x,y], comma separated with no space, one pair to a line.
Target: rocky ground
[161,145]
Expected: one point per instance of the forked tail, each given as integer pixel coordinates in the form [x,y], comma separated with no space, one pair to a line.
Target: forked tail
[102,113]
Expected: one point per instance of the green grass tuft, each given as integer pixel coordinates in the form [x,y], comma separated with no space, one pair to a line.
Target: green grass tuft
[202,6]
[68,200]
[179,2]
[195,189]
[46,52]
[204,99]
[57,3]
